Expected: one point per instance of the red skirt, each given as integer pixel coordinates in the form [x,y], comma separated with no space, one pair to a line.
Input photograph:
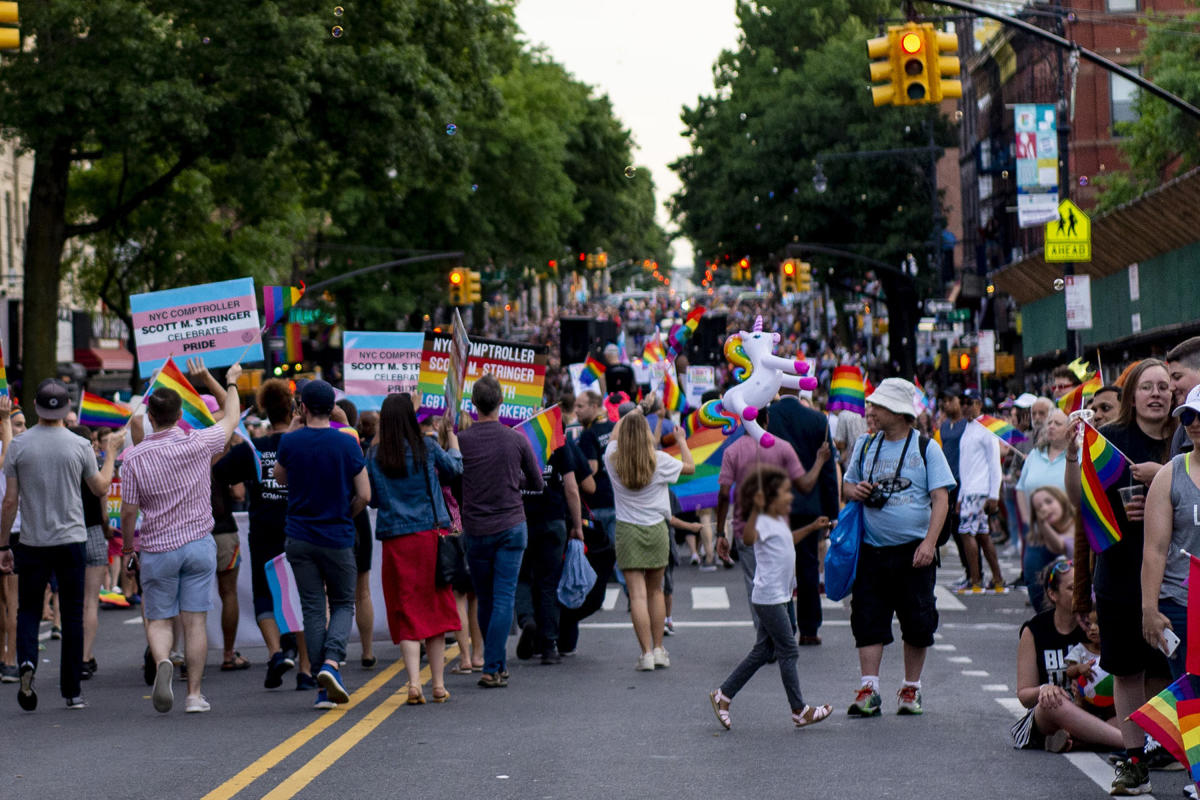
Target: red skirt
[417,608]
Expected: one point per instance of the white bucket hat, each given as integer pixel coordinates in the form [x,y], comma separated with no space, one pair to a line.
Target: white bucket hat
[896,395]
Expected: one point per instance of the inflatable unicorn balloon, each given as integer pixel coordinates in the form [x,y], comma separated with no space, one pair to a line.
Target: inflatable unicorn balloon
[760,374]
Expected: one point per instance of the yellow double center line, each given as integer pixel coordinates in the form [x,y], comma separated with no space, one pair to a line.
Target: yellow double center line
[332,752]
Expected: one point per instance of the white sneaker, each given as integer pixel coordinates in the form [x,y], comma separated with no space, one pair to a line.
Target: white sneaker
[662,658]
[197,704]
[645,663]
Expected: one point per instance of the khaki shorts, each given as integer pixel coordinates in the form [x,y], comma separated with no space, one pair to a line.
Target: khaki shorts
[229,551]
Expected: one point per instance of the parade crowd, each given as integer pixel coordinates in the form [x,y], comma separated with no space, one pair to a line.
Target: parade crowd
[474,528]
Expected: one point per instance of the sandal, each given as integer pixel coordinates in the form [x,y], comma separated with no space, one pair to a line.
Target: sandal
[811,716]
[415,696]
[235,663]
[440,695]
[490,681]
[716,698]
[461,669]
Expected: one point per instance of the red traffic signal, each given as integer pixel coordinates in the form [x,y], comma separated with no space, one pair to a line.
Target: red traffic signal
[911,43]
[964,362]
[789,267]
[456,277]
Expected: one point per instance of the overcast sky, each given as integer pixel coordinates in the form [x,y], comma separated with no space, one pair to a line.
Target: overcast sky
[651,57]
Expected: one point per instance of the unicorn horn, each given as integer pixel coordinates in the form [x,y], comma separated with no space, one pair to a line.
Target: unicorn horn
[758,324]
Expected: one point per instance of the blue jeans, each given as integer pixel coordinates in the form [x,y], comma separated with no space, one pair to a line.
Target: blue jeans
[495,562]
[35,567]
[1177,613]
[1035,560]
[322,571]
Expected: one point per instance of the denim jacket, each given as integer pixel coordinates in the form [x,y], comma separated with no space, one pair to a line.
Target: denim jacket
[404,503]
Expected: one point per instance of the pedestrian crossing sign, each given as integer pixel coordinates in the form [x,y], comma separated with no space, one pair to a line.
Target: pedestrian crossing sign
[1069,238]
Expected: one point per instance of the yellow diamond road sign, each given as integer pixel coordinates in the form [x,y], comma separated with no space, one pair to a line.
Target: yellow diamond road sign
[1069,238]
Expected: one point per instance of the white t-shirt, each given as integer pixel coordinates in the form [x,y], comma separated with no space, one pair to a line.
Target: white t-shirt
[652,503]
[775,562]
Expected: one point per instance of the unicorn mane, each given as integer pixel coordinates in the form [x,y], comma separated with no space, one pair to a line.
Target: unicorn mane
[735,354]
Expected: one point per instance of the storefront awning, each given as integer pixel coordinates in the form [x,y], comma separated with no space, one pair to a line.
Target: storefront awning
[105,359]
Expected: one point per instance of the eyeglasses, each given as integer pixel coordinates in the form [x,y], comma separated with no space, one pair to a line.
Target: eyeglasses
[1148,387]
[1188,416]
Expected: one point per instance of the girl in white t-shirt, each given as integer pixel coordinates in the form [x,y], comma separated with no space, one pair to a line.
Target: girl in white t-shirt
[767,493]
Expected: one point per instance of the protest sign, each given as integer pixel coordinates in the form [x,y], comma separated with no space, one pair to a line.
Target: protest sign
[699,380]
[217,322]
[520,368]
[376,364]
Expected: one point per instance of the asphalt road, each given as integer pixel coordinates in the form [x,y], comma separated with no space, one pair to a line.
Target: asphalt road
[589,728]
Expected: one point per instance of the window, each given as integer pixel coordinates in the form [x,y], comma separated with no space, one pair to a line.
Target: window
[1120,6]
[1122,94]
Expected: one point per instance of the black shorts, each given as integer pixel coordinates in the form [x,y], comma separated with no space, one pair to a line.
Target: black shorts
[364,543]
[1123,649]
[886,583]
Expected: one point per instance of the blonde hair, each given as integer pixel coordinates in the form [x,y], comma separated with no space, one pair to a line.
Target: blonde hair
[634,462]
[1037,537]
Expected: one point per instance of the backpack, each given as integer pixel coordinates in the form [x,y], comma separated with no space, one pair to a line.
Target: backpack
[922,445]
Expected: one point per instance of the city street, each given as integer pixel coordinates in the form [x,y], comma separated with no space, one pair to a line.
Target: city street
[592,727]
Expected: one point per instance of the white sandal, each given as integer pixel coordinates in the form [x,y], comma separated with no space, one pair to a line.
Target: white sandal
[811,716]
[716,698]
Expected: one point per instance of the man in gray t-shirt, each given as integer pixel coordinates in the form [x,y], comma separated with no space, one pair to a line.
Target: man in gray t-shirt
[44,468]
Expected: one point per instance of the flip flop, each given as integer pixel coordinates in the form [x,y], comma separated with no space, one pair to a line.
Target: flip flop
[461,670]
[235,663]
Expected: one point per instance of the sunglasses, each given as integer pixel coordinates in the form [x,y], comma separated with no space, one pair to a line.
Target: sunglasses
[1058,568]
[1188,416]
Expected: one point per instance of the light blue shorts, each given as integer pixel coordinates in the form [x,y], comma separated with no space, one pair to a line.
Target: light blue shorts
[179,580]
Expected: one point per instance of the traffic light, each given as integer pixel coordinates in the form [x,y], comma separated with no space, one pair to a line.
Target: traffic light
[804,277]
[742,271]
[10,38]
[882,71]
[458,286]
[787,277]
[946,71]
[960,360]
[914,71]
[474,286]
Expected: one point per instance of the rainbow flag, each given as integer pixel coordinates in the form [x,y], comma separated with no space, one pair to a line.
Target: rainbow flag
[96,412]
[544,432]
[1101,466]
[927,402]
[653,352]
[592,370]
[1162,714]
[294,349]
[680,334]
[847,391]
[1001,429]
[1075,399]
[708,446]
[3,375]
[1188,712]
[284,595]
[342,427]
[672,394]
[195,413]
[277,300]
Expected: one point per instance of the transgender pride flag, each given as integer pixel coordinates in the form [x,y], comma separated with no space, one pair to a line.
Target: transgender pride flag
[284,594]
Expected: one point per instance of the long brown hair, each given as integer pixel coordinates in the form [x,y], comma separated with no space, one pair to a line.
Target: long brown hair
[1128,413]
[634,462]
[399,434]
[1038,538]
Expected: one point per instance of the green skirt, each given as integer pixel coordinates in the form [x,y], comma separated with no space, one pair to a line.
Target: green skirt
[642,546]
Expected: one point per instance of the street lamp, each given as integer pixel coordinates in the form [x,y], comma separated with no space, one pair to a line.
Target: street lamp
[820,182]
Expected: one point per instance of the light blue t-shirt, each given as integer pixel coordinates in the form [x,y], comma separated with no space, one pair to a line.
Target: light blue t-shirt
[905,518]
[1040,471]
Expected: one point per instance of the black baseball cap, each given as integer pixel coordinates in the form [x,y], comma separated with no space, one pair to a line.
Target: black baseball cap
[318,397]
[52,400]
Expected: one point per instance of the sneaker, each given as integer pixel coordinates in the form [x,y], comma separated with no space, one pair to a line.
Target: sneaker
[1131,778]
[525,641]
[91,664]
[323,703]
[867,703]
[178,658]
[551,656]
[668,627]
[662,659]
[276,668]
[197,704]
[1189,791]
[961,586]
[305,682]
[76,702]
[26,696]
[1157,758]
[909,699]
[694,560]
[55,632]
[999,586]
[9,673]
[977,588]
[708,567]
[331,681]
[645,663]
[566,653]
[163,695]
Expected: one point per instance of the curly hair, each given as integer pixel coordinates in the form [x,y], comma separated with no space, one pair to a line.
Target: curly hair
[274,397]
[766,479]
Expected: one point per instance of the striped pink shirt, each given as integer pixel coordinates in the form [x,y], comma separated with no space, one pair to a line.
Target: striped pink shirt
[169,477]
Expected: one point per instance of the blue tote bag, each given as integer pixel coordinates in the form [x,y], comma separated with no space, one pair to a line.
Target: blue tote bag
[841,560]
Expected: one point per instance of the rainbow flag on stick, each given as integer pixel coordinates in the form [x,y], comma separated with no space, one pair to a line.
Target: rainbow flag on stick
[653,352]
[1102,465]
[3,375]
[679,335]
[1001,429]
[96,412]
[544,432]
[277,300]
[1075,399]
[592,370]
[672,395]
[195,413]
[847,391]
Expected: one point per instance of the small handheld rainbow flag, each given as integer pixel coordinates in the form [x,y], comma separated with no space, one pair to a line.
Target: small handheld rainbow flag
[1001,429]
[847,392]
[195,413]
[3,375]
[96,412]
[592,370]
[277,300]
[1162,716]
[544,432]
[1101,466]
[672,395]
[653,352]
[1074,400]
[680,334]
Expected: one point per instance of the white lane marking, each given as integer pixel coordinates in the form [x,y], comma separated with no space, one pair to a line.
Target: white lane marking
[959,659]
[132,621]
[945,647]
[975,673]
[610,597]
[709,598]
[994,687]
[946,601]
[831,605]
[1012,705]
[716,623]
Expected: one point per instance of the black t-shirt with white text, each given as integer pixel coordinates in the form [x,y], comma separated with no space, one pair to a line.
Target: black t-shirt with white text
[268,500]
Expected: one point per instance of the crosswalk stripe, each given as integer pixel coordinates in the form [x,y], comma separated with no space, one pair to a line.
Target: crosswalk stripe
[946,601]
[994,687]
[610,597]
[705,598]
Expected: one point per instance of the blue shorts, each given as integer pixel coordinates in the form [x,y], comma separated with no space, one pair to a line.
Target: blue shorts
[179,579]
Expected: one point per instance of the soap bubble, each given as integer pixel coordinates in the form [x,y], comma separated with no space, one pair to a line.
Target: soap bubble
[474,187]
[758,226]
[1083,180]
[630,171]
[451,129]
[206,40]
[770,195]
[1059,284]
[337,31]
[742,116]
[338,11]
